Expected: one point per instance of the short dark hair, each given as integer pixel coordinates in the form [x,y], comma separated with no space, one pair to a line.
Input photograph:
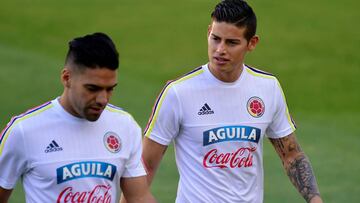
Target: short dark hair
[236,12]
[93,51]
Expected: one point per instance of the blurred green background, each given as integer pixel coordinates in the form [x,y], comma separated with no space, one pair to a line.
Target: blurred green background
[311,46]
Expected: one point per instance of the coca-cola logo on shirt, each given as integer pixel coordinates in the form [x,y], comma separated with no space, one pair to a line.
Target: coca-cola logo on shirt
[99,194]
[242,157]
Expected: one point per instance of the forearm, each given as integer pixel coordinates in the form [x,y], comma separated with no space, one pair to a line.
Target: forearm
[297,167]
[302,176]
[135,190]
[146,199]
[149,198]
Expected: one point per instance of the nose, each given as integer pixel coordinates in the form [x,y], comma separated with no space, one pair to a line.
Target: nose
[221,49]
[102,98]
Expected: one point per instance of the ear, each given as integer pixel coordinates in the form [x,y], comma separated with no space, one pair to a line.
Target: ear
[209,30]
[65,77]
[253,42]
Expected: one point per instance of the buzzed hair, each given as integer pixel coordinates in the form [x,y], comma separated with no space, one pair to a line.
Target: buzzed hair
[236,12]
[95,50]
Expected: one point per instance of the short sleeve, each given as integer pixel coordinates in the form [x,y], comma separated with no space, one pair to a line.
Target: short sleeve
[164,124]
[282,123]
[134,166]
[12,156]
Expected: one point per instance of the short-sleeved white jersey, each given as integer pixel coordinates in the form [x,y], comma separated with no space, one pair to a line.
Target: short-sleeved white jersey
[62,158]
[218,129]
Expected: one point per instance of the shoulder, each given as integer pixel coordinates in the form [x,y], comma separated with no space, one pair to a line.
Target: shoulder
[32,115]
[117,113]
[261,78]
[190,80]
[187,79]
[31,118]
[260,74]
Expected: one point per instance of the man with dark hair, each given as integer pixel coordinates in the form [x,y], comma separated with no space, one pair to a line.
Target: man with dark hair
[218,115]
[77,147]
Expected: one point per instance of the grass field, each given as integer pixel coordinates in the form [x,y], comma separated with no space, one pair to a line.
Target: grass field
[312,47]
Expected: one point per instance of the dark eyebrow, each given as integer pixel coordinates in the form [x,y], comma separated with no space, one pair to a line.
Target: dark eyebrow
[229,40]
[99,87]
[113,86]
[215,35]
[233,40]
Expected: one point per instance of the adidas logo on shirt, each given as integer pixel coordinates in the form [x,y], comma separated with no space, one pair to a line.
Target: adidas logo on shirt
[53,147]
[205,110]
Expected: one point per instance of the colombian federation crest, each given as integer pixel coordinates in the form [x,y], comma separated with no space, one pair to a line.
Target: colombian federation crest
[112,142]
[256,107]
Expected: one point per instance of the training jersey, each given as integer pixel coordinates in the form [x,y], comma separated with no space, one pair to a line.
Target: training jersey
[62,158]
[218,130]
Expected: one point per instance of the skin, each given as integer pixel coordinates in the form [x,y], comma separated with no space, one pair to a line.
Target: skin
[4,195]
[87,92]
[153,153]
[227,48]
[136,190]
[297,167]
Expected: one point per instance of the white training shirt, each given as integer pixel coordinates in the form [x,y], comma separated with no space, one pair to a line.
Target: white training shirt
[218,130]
[62,158]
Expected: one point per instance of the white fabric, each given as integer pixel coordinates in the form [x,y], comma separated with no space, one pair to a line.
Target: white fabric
[81,168]
[219,153]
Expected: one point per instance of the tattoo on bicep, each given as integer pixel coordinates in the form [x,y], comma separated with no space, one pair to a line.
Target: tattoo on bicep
[302,176]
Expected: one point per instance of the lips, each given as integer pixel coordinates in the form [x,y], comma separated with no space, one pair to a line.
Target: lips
[220,60]
[96,110]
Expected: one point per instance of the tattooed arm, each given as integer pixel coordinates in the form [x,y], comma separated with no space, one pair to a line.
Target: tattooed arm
[297,167]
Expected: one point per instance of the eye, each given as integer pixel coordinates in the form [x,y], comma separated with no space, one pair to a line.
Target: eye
[92,88]
[110,89]
[215,38]
[233,43]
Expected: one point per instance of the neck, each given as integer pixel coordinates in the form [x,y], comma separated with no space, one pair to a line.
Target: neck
[226,75]
[66,105]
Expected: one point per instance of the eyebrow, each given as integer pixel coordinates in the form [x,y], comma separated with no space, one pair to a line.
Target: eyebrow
[231,40]
[93,85]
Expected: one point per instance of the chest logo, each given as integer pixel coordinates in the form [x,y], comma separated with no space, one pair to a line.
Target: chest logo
[87,169]
[112,142]
[53,147]
[256,107]
[205,109]
[231,133]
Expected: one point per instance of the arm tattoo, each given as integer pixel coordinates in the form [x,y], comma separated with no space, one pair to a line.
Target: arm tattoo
[279,146]
[302,176]
[297,166]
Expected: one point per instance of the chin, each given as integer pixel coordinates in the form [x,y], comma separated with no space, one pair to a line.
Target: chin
[223,68]
[92,118]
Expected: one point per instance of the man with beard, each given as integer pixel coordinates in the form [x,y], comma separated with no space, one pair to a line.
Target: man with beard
[77,147]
